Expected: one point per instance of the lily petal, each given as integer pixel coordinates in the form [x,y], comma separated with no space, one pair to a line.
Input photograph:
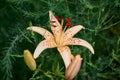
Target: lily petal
[42,46]
[72,31]
[55,27]
[66,54]
[77,41]
[41,31]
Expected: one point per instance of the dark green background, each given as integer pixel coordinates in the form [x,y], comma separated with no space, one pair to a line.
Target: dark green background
[101,18]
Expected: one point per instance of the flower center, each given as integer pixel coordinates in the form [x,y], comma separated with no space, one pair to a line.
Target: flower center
[68,24]
[61,30]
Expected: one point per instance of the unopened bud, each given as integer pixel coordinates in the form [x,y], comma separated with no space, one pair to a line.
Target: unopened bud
[72,57]
[73,68]
[29,60]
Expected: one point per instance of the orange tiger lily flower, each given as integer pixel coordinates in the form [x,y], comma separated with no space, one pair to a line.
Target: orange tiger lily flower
[59,38]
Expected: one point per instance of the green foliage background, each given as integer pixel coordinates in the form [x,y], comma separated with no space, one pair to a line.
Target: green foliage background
[101,18]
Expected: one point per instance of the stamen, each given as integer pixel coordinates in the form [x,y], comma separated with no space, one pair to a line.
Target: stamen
[69,19]
[62,22]
[57,18]
[68,22]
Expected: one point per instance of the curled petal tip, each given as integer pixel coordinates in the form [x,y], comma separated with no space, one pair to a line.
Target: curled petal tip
[83,27]
[35,56]
[29,28]
[92,50]
[50,13]
[36,53]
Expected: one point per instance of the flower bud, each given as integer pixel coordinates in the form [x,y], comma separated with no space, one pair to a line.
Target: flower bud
[72,57]
[29,60]
[73,68]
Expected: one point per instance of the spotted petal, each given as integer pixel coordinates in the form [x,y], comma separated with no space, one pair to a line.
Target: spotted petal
[41,31]
[66,54]
[77,41]
[72,31]
[42,46]
[55,26]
